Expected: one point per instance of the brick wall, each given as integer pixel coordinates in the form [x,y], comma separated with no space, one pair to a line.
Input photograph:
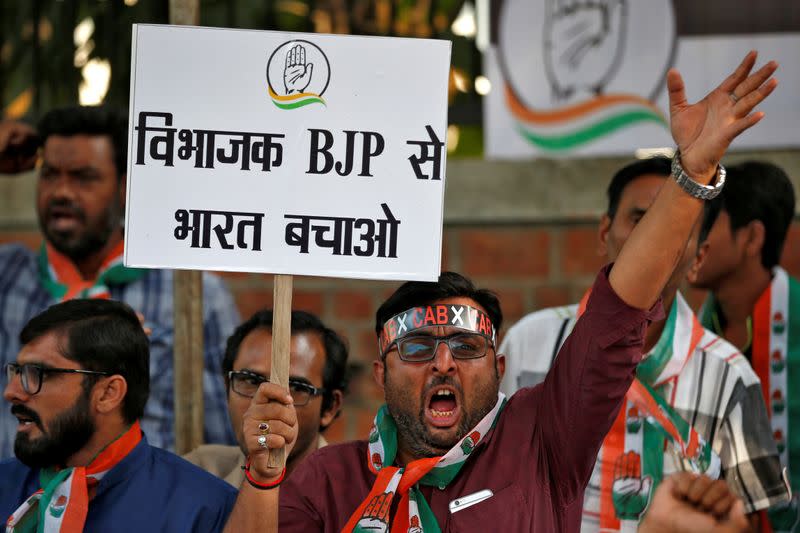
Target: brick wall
[529,266]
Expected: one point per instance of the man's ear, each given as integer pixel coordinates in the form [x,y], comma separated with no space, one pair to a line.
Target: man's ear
[379,372]
[602,235]
[109,393]
[694,271]
[500,365]
[329,414]
[756,234]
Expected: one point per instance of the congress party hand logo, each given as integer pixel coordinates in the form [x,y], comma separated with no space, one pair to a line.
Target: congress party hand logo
[583,44]
[630,492]
[298,73]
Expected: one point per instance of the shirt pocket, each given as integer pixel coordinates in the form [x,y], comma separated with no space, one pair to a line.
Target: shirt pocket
[505,510]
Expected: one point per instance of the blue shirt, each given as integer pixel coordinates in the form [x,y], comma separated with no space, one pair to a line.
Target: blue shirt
[22,297]
[149,490]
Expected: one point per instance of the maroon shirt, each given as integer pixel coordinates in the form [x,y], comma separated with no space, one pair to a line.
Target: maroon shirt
[536,461]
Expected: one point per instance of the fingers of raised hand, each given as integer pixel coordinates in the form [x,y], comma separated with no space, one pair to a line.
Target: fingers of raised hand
[676,89]
[741,72]
[746,100]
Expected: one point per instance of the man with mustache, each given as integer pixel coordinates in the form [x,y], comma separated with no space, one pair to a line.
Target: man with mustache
[316,381]
[80,201]
[77,390]
[448,451]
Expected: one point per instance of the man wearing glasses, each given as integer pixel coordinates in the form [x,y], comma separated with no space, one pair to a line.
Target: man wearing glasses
[448,451]
[316,382]
[78,389]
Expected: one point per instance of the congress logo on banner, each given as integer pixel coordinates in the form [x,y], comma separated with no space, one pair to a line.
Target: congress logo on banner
[298,74]
[575,71]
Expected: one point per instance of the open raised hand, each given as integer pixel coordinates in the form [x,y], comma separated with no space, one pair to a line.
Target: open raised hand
[704,130]
[297,73]
[583,44]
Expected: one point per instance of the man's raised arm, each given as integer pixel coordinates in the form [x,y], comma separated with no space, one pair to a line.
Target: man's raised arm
[702,132]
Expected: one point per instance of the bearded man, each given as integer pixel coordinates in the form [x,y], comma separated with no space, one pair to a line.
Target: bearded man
[77,390]
[448,451]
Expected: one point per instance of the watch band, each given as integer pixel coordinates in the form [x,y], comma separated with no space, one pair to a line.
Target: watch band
[698,190]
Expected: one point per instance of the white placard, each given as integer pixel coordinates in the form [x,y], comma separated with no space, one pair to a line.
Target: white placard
[286,153]
[589,78]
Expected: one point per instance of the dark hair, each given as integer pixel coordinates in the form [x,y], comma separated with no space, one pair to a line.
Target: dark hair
[450,285]
[658,165]
[90,120]
[100,335]
[756,190]
[334,372]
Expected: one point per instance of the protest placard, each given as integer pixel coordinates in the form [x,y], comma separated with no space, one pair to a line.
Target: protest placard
[286,153]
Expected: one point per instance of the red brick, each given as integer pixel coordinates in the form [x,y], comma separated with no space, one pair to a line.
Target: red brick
[311,301]
[31,239]
[353,304]
[233,276]
[506,252]
[580,252]
[365,346]
[448,261]
[251,300]
[512,304]
[551,296]
[790,260]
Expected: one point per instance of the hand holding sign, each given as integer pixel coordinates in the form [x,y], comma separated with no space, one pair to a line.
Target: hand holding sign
[269,423]
[297,74]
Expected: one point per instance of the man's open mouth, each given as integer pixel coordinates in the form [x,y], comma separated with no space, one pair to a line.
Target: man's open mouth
[442,407]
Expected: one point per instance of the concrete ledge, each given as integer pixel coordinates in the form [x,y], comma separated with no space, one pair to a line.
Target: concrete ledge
[548,190]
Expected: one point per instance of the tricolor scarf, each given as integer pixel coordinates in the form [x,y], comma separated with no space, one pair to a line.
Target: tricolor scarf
[62,503]
[632,456]
[62,279]
[776,360]
[413,512]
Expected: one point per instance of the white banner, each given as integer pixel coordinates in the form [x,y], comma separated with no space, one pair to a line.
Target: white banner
[286,153]
[588,78]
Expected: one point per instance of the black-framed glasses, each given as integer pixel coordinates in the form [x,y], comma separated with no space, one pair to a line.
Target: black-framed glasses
[32,375]
[246,384]
[422,348]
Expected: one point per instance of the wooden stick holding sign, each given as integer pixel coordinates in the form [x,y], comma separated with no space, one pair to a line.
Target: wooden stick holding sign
[281,343]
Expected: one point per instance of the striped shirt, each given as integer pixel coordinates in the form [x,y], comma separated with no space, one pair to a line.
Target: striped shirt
[713,388]
[22,297]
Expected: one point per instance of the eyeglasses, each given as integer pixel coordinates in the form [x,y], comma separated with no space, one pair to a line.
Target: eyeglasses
[246,384]
[422,348]
[32,375]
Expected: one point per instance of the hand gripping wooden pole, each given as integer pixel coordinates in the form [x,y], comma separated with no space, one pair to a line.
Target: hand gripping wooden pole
[281,341]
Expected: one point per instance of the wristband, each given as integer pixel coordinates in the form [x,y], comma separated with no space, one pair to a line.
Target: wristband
[261,486]
[691,187]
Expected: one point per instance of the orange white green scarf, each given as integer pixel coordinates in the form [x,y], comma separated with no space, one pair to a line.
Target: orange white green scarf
[62,279]
[62,503]
[413,512]
[776,359]
[632,456]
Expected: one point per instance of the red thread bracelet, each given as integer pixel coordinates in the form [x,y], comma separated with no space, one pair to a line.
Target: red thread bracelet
[262,486]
